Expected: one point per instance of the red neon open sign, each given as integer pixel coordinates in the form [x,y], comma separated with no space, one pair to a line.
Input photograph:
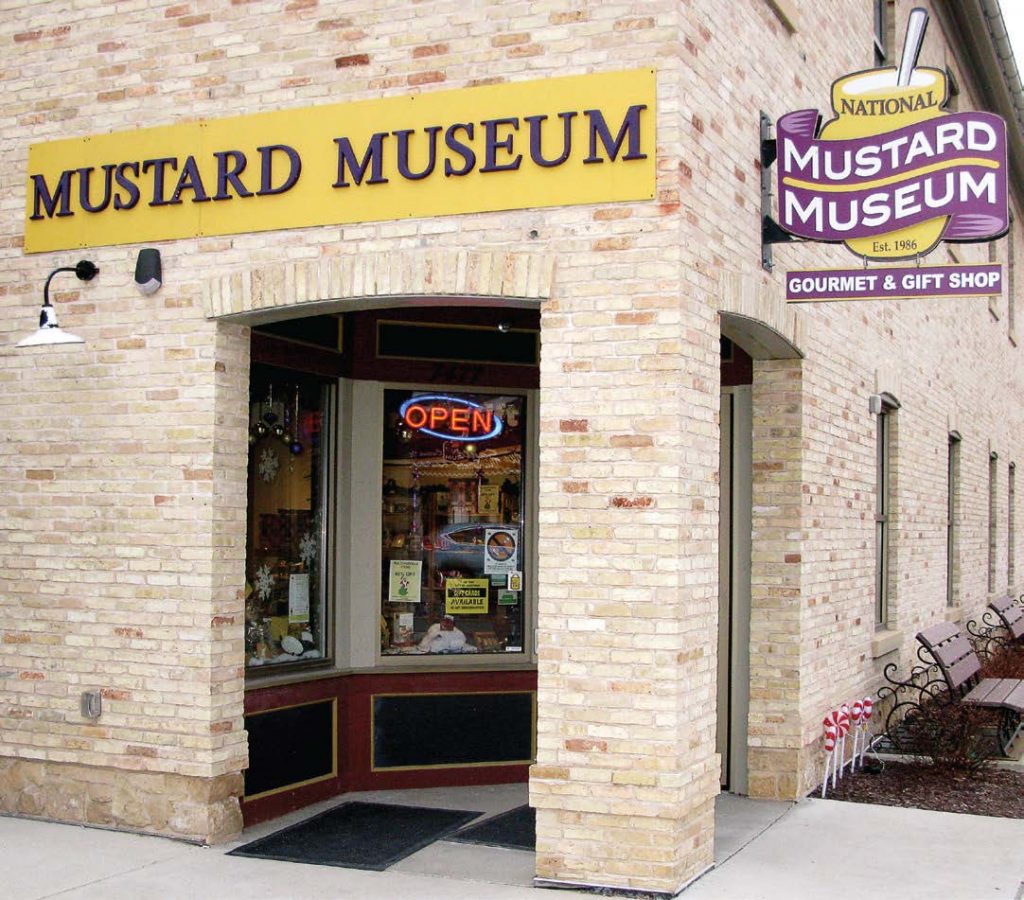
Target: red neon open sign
[450,418]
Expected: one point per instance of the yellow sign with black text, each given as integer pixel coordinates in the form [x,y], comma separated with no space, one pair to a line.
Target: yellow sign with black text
[466,596]
[557,142]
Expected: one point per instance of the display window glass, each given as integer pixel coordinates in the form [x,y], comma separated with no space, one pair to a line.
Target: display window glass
[286,573]
[452,550]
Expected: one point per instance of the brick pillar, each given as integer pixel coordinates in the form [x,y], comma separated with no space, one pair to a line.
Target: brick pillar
[626,770]
[133,517]
[774,729]
[228,750]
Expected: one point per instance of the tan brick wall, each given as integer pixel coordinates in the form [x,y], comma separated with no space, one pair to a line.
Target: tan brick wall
[122,465]
[776,616]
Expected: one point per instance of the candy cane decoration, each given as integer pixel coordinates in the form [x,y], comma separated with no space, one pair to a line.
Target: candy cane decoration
[831,731]
[844,730]
[868,707]
[856,717]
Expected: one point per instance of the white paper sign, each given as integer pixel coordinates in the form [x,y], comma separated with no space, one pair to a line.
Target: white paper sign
[298,598]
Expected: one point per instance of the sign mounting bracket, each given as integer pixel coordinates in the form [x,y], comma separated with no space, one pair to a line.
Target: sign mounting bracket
[771,231]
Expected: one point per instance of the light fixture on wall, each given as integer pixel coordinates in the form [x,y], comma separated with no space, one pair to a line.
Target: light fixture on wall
[148,273]
[49,331]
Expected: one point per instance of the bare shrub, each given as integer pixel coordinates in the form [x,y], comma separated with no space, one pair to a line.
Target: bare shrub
[952,735]
[1006,662]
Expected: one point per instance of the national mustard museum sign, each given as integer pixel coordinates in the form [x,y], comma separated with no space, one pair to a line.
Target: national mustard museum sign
[892,175]
[557,142]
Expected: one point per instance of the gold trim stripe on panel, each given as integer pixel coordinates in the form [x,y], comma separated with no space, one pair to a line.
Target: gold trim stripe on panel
[334,749]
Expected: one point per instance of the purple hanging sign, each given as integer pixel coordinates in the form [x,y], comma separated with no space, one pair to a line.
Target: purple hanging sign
[894,283]
[950,166]
[892,173]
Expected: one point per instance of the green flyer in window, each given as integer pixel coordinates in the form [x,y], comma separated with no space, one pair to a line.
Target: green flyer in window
[404,581]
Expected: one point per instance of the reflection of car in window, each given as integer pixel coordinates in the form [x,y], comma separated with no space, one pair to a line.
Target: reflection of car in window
[462,546]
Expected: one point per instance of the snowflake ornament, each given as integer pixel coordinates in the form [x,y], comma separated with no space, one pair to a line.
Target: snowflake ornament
[269,464]
[307,549]
[264,582]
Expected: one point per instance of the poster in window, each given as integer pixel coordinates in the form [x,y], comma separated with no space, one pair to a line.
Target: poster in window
[404,581]
[466,596]
[501,550]
[487,499]
[298,599]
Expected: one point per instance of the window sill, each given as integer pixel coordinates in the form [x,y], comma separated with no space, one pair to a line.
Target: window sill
[954,613]
[279,679]
[785,12]
[885,642]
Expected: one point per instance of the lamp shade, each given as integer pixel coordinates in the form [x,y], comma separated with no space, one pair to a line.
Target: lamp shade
[49,331]
[49,336]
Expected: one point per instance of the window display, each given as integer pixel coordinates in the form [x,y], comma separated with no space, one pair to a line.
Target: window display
[452,549]
[285,604]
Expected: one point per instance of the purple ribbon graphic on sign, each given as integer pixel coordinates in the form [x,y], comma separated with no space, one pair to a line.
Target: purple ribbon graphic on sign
[951,165]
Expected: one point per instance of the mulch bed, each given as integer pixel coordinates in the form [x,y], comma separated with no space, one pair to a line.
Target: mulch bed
[991,792]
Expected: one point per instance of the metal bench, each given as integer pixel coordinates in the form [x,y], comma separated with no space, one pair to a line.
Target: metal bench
[1011,616]
[960,666]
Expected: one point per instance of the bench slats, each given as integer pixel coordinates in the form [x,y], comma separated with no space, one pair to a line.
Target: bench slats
[953,652]
[1011,614]
[1015,700]
[938,634]
[1001,604]
[992,692]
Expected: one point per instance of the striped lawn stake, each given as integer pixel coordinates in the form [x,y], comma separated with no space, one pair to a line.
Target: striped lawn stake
[831,732]
[868,707]
[844,730]
[842,722]
[856,718]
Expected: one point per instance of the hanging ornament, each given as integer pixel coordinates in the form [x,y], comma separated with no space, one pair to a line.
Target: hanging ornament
[296,423]
[269,416]
[296,448]
[258,430]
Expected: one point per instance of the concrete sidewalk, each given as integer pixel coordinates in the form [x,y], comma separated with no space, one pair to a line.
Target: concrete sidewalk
[814,848]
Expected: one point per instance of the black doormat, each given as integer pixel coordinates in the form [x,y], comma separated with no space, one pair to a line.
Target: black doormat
[359,835]
[515,829]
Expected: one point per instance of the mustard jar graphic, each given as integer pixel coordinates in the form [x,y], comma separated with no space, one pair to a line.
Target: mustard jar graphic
[877,101]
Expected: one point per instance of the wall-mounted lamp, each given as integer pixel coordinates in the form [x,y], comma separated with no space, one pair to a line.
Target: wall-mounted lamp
[148,272]
[49,331]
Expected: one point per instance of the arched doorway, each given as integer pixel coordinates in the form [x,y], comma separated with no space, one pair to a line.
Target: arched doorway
[339,688]
[758,365]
